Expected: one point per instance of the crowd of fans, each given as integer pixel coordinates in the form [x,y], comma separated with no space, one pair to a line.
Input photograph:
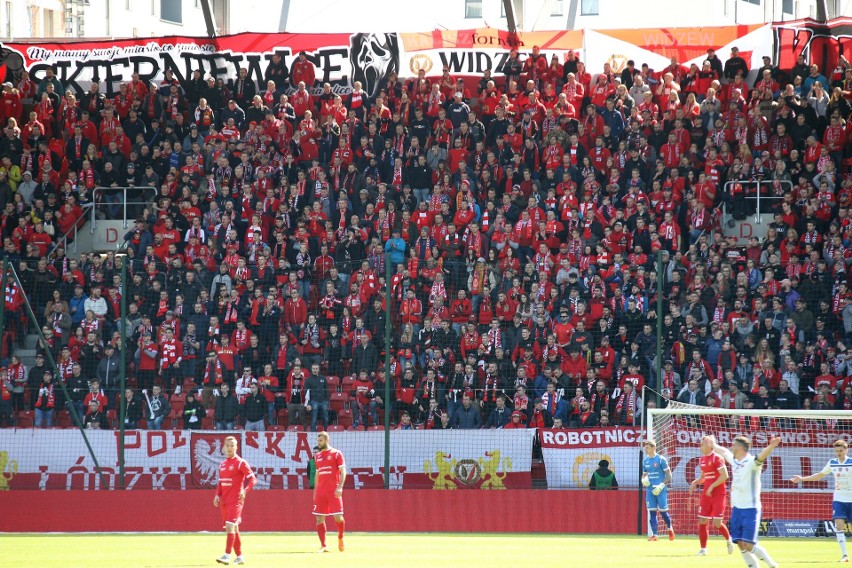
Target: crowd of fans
[520,218]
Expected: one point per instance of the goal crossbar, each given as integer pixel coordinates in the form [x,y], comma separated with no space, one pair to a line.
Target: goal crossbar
[812,414]
[682,409]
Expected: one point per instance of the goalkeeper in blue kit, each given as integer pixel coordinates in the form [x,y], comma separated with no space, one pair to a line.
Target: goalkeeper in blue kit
[656,477]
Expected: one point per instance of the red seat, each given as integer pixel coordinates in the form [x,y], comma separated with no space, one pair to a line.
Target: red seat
[339,401]
[281,417]
[26,414]
[25,421]
[142,425]
[347,383]
[177,399]
[112,419]
[344,418]
[333,383]
[376,427]
[294,428]
[177,407]
[63,419]
[207,423]
[275,428]
[335,428]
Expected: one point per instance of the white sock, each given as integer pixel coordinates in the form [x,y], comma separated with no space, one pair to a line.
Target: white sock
[841,540]
[761,554]
[750,559]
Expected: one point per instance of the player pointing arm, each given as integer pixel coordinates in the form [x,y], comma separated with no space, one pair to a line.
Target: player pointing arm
[730,456]
[841,504]
[764,455]
[745,497]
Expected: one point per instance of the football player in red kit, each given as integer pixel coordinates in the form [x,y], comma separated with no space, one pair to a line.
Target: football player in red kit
[714,495]
[235,480]
[328,489]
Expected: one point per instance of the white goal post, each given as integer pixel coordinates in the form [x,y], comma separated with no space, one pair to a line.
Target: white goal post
[806,446]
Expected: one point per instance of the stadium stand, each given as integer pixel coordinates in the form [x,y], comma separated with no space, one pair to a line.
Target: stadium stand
[522,220]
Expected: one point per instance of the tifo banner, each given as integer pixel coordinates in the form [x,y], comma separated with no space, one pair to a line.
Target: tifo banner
[471,52]
[571,456]
[58,459]
[370,58]
[339,59]
[657,47]
[819,43]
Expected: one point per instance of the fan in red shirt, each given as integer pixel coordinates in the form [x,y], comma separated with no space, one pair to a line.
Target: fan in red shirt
[235,480]
[714,497]
[328,490]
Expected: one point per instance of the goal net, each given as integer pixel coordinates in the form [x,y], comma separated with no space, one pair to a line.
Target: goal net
[806,446]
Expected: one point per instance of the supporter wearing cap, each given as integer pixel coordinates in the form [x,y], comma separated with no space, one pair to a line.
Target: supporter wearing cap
[516,421]
[108,372]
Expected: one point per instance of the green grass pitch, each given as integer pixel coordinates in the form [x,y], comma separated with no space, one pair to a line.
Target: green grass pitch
[395,550]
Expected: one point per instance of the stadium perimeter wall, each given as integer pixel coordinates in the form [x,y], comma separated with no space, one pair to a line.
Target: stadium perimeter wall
[413,510]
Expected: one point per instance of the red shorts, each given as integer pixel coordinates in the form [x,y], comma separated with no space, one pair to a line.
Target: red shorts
[327,504]
[231,512]
[713,507]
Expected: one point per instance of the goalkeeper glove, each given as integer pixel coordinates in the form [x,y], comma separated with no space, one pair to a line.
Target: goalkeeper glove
[658,488]
[646,482]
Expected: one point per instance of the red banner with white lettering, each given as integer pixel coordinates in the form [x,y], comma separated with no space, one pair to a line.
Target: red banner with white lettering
[571,456]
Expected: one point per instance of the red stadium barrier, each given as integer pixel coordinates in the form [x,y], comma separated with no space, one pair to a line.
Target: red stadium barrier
[366,510]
